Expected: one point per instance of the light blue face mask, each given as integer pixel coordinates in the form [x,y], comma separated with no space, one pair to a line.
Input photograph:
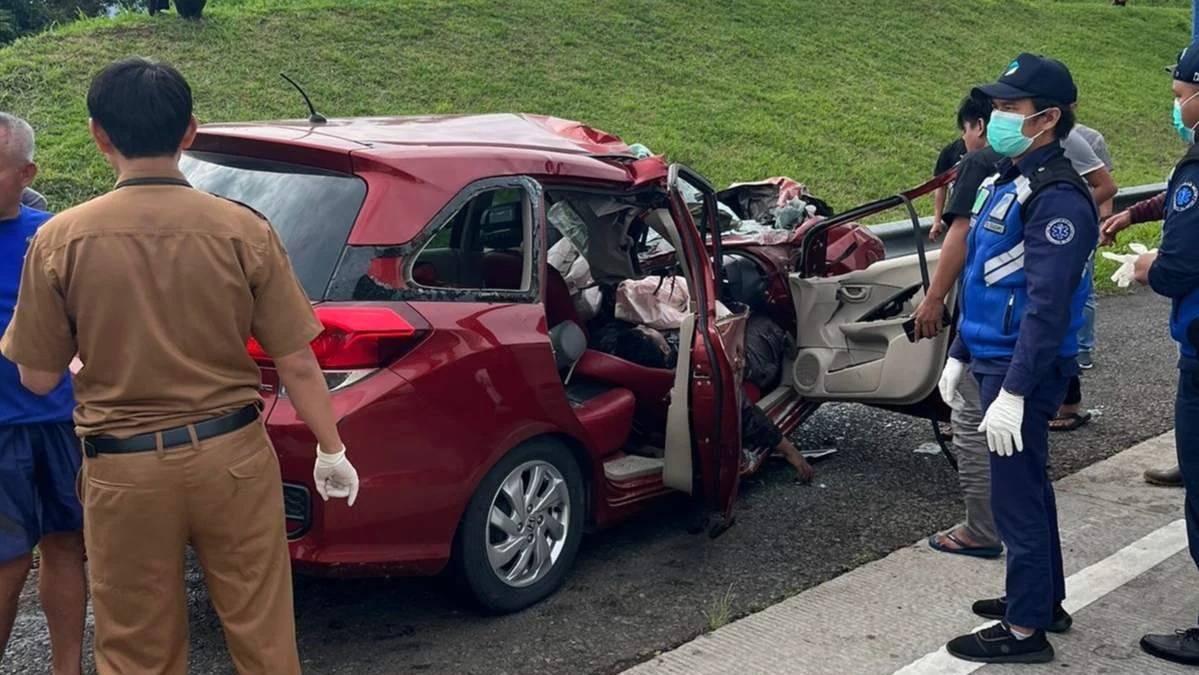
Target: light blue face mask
[1187,134]
[1005,133]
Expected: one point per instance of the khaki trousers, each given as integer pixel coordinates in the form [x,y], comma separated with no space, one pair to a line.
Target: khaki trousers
[224,495]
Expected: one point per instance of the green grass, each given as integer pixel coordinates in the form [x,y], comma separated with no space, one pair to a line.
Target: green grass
[720,611]
[855,98]
[1179,4]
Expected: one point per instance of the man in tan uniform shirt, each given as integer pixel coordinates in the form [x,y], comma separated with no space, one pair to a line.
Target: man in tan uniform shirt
[158,287]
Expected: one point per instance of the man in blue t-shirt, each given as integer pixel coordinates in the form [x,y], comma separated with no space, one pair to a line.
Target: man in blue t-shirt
[39,453]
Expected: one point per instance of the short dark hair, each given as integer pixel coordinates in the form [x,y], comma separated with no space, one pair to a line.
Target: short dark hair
[1064,123]
[973,109]
[638,347]
[144,106]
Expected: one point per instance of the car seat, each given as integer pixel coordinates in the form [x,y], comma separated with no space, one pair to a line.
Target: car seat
[559,306]
[504,264]
[650,386]
[605,411]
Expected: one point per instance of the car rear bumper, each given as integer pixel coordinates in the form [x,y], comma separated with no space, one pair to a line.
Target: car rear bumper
[404,518]
[339,552]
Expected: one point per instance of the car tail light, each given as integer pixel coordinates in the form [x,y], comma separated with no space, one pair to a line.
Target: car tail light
[354,339]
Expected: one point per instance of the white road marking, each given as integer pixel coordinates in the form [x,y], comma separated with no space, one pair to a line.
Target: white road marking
[1082,588]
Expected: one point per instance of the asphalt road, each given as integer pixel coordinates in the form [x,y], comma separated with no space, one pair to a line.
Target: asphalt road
[649,585]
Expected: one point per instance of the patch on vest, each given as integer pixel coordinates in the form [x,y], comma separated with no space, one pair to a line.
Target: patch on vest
[1059,231]
[979,200]
[1001,208]
[1185,196]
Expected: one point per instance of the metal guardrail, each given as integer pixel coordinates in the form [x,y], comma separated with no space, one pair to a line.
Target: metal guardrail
[897,236]
[1129,196]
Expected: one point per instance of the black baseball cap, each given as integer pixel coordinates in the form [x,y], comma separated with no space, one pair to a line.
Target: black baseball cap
[1187,68]
[1031,76]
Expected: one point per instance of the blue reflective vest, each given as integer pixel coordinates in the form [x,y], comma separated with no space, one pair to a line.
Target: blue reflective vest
[995,282]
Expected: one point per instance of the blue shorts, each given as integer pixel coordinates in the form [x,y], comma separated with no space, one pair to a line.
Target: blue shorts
[38,467]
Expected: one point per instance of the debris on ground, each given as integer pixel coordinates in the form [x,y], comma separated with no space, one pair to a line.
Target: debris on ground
[930,448]
[817,453]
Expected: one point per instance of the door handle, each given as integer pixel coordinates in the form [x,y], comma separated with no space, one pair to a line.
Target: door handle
[853,294]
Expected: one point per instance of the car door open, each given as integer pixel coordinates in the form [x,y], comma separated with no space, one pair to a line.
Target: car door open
[713,393]
[851,344]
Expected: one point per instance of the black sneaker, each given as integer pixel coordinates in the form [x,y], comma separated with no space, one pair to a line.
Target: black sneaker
[997,645]
[997,609]
[1181,647]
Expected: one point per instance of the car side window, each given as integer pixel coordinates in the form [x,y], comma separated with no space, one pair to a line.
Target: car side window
[484,245]
[443,238]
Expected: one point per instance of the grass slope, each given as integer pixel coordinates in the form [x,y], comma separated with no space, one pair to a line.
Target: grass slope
[854,97]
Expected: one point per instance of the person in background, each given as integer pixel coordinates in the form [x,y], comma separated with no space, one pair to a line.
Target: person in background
[948,158]
[976,535]
[1145,211]
[1173,271]
[39,453]
[1095,163]
[158,287]
[1086,339]
[1025,283]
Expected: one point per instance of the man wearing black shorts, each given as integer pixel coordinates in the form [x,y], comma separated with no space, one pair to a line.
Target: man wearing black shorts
[39,453]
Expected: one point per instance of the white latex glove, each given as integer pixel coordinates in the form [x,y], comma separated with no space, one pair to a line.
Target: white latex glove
[951,376]
[1123,275]
[335,476]
[1002,424]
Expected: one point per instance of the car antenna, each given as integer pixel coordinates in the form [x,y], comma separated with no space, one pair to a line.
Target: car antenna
[314,117]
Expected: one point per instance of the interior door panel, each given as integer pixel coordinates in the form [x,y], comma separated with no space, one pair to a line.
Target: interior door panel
[850,338]
[678,471]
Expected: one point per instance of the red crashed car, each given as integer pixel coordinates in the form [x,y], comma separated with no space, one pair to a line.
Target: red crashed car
[487,432]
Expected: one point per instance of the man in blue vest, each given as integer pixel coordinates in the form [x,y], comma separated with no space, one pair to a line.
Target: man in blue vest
[1033,228]
[1173,271]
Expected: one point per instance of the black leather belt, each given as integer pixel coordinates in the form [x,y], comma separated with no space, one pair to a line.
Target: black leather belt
[219,426]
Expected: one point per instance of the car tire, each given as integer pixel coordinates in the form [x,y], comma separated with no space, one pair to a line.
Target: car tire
[481,547]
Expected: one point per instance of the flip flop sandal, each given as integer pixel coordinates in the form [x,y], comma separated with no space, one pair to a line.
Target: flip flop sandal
[988,552]
[1076,421]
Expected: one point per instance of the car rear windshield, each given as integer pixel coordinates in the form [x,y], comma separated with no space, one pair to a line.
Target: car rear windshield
[312,210]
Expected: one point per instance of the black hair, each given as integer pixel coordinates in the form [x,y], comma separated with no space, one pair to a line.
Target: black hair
[144,106]
[1064,123]
[972,110]
[637,346]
